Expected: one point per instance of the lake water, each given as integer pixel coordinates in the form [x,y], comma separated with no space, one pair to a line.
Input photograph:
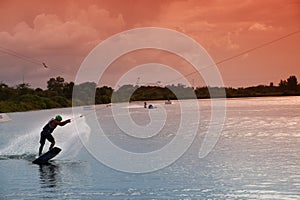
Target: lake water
[257,155]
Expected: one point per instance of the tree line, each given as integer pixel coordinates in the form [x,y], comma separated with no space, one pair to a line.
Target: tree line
[59,93]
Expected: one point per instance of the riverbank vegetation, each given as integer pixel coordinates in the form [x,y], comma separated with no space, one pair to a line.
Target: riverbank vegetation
[60,93]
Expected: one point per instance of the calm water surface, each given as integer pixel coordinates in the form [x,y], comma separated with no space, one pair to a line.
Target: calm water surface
[256,157]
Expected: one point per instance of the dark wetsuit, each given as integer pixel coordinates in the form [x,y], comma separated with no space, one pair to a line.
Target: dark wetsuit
[46,133]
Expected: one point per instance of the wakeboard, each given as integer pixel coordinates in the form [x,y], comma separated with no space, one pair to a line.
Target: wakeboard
[44,158]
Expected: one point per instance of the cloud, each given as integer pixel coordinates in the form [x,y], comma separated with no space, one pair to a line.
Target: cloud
[63,35]
[224,24]
[49,31]
[101,20]
[225,42]
[260,27]
[54,39]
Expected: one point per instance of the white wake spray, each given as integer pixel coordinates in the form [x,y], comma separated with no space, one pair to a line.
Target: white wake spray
[68,138]
[22,145]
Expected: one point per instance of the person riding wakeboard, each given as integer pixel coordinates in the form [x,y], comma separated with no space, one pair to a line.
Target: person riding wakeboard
[48,129]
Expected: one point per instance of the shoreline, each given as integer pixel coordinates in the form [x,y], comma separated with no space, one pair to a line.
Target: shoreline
[153,100]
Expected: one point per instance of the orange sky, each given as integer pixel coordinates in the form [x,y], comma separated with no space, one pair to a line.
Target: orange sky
[62,33]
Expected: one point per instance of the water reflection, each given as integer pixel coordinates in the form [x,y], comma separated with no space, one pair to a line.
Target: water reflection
[48,175]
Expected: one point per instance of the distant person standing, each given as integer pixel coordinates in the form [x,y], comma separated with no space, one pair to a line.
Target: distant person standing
[48,129]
